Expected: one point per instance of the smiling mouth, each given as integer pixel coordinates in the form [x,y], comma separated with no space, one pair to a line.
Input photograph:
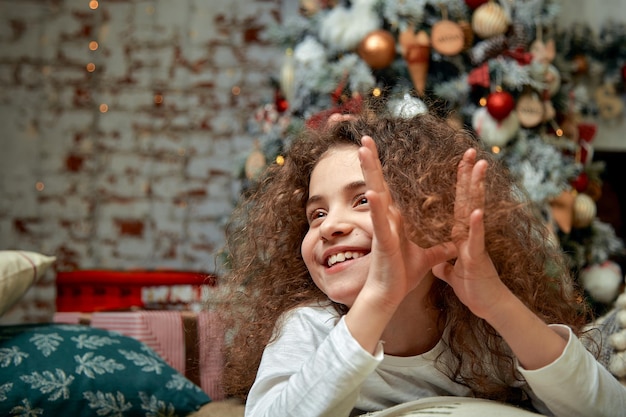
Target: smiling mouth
[343,256]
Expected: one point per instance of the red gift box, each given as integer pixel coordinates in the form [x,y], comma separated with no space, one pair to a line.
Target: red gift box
[102,290]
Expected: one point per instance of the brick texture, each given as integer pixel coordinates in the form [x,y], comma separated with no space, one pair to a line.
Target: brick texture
[130,165]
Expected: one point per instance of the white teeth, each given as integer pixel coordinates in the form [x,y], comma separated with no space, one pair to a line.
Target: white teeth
[340,257]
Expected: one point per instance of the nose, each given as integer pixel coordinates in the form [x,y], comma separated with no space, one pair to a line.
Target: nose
[335,225]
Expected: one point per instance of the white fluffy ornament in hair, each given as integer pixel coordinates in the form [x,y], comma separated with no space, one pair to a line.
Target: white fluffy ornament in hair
[602,281]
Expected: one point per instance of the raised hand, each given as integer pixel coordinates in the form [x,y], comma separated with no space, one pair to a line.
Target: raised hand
[473,276]
[398,265]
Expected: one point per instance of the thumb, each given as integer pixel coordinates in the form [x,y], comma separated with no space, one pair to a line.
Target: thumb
[443,271]
[441,253]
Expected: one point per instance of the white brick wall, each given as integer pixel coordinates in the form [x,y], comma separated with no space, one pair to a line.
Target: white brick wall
[141,185]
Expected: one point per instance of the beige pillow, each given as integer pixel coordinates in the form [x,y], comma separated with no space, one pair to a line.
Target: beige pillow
[18,271]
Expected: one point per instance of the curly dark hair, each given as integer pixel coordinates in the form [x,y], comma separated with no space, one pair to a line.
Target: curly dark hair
[419,158]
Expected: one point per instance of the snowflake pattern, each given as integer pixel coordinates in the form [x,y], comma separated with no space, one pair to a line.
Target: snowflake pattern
[57,384]
[11,355]
[107,404]
[4,388]
[26,410]
[156,407]
[148,363]
[91,365]
[85,341]
[47,343]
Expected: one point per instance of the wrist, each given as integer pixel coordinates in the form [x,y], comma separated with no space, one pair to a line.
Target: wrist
[368,317]
[504,305]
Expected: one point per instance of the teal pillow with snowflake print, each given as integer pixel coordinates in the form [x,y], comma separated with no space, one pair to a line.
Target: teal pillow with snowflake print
[74,370]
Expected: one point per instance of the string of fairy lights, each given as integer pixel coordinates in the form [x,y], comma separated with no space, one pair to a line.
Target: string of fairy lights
[90,103]
[93,68]
[161,121]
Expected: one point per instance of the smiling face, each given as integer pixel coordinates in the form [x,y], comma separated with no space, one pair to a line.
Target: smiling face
[336,247]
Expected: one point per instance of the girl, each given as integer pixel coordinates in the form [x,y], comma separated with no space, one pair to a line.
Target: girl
[393,259]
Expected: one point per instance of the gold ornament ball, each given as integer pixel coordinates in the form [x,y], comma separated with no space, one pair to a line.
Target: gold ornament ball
[490,20]
[584,211]
[378,49]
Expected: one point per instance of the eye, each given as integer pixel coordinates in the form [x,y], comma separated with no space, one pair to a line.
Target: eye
[315,215]
[360,200]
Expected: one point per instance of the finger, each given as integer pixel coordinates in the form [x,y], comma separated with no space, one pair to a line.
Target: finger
[462,206]
[382,217]
[477,186]
[440,254]
[476,239]
[444,271]
[378,196]
[339,117]
[370,166]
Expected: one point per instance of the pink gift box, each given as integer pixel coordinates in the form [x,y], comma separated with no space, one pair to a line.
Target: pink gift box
[190,342]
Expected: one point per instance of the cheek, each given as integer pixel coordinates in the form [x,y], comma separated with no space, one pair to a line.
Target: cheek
[306,248]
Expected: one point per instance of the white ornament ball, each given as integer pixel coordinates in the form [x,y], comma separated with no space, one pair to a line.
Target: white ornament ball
[602,281]
[618,364]
[492,131]
[490,20]
[584,211]
[338,28]
[621,318]
[618,340]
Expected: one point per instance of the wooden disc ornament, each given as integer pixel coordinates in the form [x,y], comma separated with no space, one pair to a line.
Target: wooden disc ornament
[255,164]
[490,20]
[609,104]
[553,80]
[447,38]
[530,110]
[377,49]
[549,112]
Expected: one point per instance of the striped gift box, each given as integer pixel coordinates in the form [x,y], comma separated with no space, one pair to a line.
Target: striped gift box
[191,342]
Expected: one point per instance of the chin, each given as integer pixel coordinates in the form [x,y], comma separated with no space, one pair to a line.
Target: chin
[345,299]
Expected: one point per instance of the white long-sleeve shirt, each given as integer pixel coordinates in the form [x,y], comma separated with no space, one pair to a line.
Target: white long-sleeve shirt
[316,368]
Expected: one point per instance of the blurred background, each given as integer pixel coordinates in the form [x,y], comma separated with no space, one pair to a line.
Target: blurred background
[121,123]
[126,124]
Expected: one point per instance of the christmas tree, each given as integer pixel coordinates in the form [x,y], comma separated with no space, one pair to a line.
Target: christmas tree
[529,91]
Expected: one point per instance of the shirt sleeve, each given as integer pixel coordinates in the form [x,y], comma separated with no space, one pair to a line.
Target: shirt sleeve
[314,368]
[575,384]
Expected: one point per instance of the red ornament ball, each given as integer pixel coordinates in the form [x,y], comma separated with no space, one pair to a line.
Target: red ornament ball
[280,102]
[474,4]
[581,182]
[500,104]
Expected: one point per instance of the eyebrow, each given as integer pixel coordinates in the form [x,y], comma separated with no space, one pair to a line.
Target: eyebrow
[353,186]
